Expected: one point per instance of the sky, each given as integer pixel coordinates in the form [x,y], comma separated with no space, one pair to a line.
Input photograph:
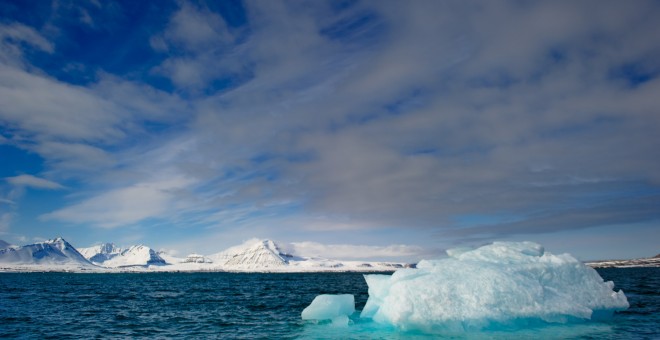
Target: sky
[349,129]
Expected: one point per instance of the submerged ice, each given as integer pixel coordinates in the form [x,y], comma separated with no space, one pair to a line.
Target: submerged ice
[502,285]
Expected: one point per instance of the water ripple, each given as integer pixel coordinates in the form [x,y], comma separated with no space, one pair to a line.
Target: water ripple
[241,306]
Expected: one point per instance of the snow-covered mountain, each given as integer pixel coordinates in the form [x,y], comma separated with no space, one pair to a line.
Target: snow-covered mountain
[100,253]
[139,255]
[110,256]
[260,254]
[644,262]
[51,252]
[4,244]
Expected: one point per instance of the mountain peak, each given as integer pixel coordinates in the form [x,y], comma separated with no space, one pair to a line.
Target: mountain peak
[4,244]
[100,252]
[48,252]
[137,255]
[267,243]
[254,253]
[56,240]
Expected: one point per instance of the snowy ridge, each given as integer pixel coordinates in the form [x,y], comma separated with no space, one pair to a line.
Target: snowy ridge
[100,253]
[139,255]
[644,262]
[4,245]
[251,255]
[110,256]
[52,252]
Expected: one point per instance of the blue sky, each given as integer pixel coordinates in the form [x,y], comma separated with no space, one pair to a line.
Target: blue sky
[386,129]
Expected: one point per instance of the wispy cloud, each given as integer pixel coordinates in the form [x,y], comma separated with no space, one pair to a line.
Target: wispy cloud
[5,221]
[13,35]
[125,206]
[34,182]
[195,37]
[349,251]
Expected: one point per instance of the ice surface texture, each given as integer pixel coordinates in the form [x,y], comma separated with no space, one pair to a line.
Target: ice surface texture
[330,307]
[502,285]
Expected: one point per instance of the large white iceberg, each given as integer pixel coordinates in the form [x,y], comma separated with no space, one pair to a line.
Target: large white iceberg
[505,284]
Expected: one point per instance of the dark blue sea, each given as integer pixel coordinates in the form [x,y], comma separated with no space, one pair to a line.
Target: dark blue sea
[230,305]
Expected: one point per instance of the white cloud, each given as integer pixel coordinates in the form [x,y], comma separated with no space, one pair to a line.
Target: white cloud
[50,109]
[204,37]
[71,126]
[124,206]
[12,35]
[7,201]
[69,159]
[34,182]
[5,221]
[349,251]
[197,29]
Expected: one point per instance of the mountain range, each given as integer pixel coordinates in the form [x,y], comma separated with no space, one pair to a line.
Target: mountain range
[252,256]
[643,262]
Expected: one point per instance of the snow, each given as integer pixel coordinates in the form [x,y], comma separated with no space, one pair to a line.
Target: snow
[634,263]
[252,254]
[4,245]
[52,252]
[139,255]
[505,284]
[196,258]
[330,307]
[100,253]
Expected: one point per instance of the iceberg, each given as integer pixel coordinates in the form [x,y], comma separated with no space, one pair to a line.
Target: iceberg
[504,285]
[330,307]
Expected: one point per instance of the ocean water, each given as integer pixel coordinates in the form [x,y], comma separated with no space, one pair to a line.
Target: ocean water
[231,305]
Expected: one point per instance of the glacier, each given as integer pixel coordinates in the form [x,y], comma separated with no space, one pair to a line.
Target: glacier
[504,285]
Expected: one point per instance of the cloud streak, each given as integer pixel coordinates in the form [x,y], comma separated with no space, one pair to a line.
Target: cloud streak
[121,207]
[348,251]
[34,182]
